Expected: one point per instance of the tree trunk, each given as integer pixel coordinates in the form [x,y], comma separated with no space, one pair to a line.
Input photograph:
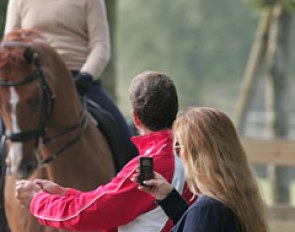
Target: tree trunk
[109,75]
[278,57]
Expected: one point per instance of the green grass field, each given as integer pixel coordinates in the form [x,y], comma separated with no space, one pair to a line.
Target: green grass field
[266,190]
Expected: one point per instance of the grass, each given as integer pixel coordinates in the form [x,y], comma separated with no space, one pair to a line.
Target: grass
[266,190]
[292,194]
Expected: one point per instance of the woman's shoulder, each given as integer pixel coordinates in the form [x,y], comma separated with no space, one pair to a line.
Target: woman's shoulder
[212,213]
[205,201]
[209,204]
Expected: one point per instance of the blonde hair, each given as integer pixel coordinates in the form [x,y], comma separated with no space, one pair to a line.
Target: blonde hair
[216,164]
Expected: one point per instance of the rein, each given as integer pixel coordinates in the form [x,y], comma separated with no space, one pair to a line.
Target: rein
[82,124]
[40,133]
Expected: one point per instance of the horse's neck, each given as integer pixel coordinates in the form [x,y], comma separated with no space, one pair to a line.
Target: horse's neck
[65,114]
[85,164]
[67,107]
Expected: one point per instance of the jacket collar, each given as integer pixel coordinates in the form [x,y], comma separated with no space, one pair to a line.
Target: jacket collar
[156,138]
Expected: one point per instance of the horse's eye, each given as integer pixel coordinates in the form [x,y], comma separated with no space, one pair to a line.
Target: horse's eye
[34,103]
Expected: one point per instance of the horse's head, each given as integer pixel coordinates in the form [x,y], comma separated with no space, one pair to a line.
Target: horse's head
[25,100]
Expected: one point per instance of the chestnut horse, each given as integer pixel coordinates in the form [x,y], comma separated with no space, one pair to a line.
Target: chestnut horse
[48,133]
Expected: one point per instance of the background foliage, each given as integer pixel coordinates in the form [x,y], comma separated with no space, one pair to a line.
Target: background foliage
[3,4]
[203,45]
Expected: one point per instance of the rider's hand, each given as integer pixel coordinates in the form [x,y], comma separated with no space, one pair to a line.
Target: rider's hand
[83,82]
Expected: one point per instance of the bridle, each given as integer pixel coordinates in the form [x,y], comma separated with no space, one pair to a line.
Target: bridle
[39,134]
[47,109]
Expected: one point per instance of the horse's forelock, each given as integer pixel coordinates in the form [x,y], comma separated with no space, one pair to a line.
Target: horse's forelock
[16,47]
[17,41]
[22,35]
[28,47]
[10,56]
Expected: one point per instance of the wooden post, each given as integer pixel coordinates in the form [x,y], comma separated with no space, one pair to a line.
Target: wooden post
[253,64]
[277,59]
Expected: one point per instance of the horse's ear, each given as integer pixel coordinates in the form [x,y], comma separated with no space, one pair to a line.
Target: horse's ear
[30,56]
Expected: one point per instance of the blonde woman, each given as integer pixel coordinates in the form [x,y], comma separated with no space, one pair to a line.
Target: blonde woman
[218,171]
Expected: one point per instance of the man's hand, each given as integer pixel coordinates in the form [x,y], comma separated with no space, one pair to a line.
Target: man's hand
[50,187]
[25,191]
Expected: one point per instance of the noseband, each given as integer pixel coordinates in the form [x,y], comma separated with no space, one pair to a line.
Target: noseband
[39,134]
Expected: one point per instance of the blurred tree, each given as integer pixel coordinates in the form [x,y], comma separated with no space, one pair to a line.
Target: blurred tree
[3,5]
[288,5]
[275,46]
[109,74]
[201,44]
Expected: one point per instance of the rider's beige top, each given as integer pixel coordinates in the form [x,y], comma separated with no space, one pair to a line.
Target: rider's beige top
[77,29]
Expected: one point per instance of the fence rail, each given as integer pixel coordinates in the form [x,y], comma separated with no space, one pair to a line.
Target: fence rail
[270,152]
[282,226]
[279,153]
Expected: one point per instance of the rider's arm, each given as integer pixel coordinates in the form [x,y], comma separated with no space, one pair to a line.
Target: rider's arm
[13,20]
[99,39]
